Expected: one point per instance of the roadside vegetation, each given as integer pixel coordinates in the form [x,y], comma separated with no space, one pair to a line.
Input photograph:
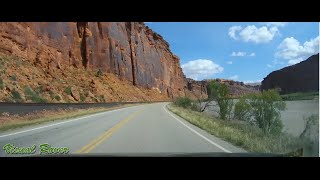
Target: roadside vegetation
[253,122]
[33,96]
[1,83]
[300,96]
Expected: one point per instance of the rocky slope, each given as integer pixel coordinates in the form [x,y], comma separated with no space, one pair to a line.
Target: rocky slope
[21,81]
[129,51]
[301,77]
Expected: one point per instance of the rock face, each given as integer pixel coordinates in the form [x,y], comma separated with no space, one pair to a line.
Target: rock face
[200,89]
[197,89]
[129,50]
[301,77]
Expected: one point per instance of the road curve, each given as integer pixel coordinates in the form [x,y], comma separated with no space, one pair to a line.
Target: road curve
[142,129]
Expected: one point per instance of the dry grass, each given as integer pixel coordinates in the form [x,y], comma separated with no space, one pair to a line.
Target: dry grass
[248,137]
[8,121]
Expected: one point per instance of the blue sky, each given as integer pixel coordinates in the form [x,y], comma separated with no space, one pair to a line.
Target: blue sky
[243,51]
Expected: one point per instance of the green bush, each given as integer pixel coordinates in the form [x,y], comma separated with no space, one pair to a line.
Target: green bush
[33,96]
[51,94]
[195,106]
[39,89]
[16,96]
[82,98]
[310,136]
[265,108]
[57,98]
[184,102]
[101,98]
[242,110]
[13,78]
[99,73]
[220,93]
[1,84]
[67,90]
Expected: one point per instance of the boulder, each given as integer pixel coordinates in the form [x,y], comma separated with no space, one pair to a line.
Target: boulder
[75,94]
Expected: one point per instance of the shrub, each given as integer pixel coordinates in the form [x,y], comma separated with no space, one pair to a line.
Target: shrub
[57,98]
[16,96]
[67,90]
[33,96]
[99,73]
[265,108]
[230,104]
[242,110]
[196,106]
[51,94]
[13,78]
[220,93]
[310,136]
[101,98]
[39,89]
[82,98]
[1,83]
[184,102]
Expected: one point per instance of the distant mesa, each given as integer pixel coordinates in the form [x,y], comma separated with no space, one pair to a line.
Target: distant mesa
[301,77]
[237,88]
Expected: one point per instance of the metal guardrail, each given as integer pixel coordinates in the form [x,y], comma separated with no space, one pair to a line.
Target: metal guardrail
[24,108]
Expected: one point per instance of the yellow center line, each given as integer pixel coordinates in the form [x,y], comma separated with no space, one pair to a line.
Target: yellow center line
[93,144]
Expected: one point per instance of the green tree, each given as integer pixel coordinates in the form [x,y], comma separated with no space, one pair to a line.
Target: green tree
[220,93]
[230,104]
[242,110]
[265,108]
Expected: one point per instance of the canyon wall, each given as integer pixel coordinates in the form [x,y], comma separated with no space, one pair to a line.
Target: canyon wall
[130,50]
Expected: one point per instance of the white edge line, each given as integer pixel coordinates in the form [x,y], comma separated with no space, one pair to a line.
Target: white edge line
[211,142]
[64,122]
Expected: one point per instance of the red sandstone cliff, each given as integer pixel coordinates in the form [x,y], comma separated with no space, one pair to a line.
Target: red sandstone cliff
[129,50]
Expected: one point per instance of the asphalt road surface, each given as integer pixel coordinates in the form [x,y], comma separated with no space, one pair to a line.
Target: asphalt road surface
[140,130]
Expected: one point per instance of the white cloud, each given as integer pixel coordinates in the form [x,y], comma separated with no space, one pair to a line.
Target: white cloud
[258,35]
[252,54]
[233,30]
[269,65]
[235,77]
[201,69]
[253,34]
[290,49]
[254,81]
[229,62]
[295,61]
[276,61]
[277,24]
[240,54]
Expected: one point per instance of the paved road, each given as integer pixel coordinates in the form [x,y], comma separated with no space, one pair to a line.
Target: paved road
[141,129]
